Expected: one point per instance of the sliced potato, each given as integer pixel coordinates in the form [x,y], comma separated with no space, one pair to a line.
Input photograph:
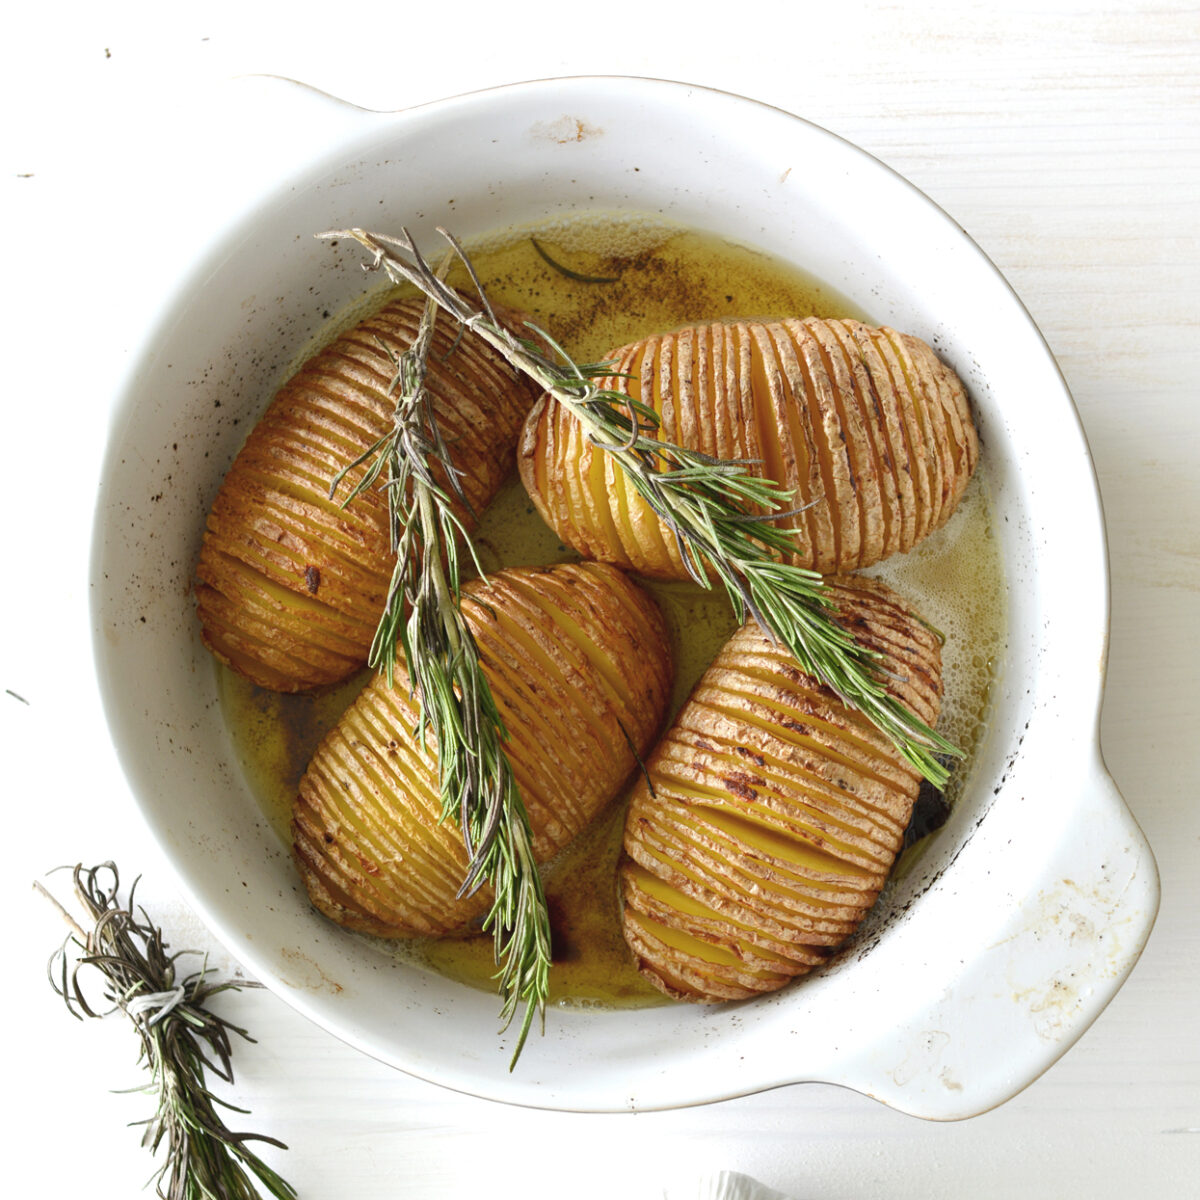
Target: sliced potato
[578,661]
[869,432]
[290,585]
[773,812]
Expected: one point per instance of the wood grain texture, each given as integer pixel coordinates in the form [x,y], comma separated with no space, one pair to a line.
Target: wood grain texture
[1064,136]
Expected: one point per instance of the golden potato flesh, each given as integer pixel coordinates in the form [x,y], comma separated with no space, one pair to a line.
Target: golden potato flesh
[290,585]
[578,661]
[867,429]
[775,811]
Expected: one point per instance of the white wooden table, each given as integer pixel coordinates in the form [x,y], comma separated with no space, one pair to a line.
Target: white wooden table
[1064,137]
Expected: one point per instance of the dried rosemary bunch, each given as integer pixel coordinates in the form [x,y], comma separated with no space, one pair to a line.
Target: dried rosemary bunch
[180,1040]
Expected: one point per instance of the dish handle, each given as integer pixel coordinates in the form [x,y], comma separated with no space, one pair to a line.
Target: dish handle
[1066,942]
[264,125]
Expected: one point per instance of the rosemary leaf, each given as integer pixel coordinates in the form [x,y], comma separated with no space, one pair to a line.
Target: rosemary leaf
[181,1040]
[544,255]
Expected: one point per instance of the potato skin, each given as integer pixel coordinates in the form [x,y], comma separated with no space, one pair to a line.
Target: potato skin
[869,431]
[776,811]
[290,585]
[578,661]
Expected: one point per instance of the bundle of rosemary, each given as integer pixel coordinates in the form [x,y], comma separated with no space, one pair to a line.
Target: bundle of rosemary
[722,517]
[181,1040]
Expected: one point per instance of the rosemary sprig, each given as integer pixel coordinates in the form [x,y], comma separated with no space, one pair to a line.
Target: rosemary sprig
[423,620]
[180,1041]
[721,515]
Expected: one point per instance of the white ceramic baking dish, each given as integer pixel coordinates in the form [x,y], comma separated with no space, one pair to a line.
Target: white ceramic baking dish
[1036,899]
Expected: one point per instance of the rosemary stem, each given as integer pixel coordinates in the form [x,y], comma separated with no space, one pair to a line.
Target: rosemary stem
[69,920]
[447,607]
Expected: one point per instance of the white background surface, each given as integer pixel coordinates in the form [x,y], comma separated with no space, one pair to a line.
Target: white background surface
[1064,137]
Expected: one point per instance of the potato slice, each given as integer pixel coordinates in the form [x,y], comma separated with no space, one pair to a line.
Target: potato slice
[578,661]
[290,585]
[772,812]
[865,427]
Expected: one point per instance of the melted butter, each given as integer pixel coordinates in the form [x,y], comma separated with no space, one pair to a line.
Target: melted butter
[664,278]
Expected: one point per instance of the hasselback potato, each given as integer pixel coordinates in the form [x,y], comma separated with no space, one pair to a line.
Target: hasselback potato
[867,428]
[776,811]
[579,664]
[290,585]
